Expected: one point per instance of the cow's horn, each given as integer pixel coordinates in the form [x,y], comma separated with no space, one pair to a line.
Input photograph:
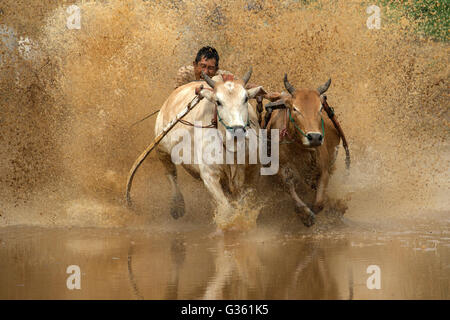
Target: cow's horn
[289,87]
[208,80]
[247,76]
[322,89]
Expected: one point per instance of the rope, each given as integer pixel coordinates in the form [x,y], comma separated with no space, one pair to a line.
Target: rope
[300,130]
[187,123]
[146,117]
[228,127]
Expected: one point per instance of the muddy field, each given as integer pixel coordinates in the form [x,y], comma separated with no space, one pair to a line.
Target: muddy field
[73,81]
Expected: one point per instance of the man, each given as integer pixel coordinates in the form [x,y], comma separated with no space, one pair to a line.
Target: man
[207,60]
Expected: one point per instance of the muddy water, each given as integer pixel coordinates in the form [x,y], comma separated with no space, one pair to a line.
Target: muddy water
[187,263]
[68,98]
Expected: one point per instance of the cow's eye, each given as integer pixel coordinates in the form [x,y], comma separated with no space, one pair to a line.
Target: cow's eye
[246,100]
[219,103]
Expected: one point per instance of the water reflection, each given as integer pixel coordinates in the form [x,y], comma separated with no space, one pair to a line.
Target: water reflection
[193,265]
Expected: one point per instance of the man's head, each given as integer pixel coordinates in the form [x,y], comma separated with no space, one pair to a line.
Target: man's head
[207,60]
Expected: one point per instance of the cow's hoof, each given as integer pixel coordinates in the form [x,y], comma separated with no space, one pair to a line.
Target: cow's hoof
[177,207]
[317,208]
[308,217]
[177,212]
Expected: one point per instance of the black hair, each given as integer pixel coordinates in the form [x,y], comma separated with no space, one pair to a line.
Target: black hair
[208,53]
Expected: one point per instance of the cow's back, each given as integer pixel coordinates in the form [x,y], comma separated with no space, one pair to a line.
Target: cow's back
[176,102]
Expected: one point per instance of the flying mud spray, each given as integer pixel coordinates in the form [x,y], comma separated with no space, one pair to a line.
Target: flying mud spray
[74,79]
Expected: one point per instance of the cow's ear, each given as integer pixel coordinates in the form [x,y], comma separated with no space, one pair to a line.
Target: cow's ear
[208,94]
[254,92]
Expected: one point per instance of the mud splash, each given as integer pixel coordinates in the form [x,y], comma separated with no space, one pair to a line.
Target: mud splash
[68,98]
[241,215]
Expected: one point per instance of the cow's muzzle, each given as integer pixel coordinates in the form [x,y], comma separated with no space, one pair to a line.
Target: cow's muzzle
[314,139]
[238,131]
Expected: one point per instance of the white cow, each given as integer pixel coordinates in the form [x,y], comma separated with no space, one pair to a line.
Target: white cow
[234,115]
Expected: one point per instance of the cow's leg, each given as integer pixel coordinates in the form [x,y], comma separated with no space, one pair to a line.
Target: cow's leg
[211,179]
[321,186]
[308,217]
[177,202]
[236,179]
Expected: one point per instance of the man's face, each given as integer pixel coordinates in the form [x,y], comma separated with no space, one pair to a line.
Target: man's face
[207,66]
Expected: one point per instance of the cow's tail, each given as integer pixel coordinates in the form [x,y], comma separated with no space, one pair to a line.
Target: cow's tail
[347,154]
[136,165]
[157,140]
[330,112]
[133,283]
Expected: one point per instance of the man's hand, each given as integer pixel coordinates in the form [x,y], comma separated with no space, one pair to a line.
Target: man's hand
[273,96]
[251,86]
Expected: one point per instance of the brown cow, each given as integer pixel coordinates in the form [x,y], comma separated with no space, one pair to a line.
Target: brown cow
[308,144]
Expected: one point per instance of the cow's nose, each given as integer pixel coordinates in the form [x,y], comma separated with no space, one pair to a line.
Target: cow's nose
[315,139]
[238,131]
